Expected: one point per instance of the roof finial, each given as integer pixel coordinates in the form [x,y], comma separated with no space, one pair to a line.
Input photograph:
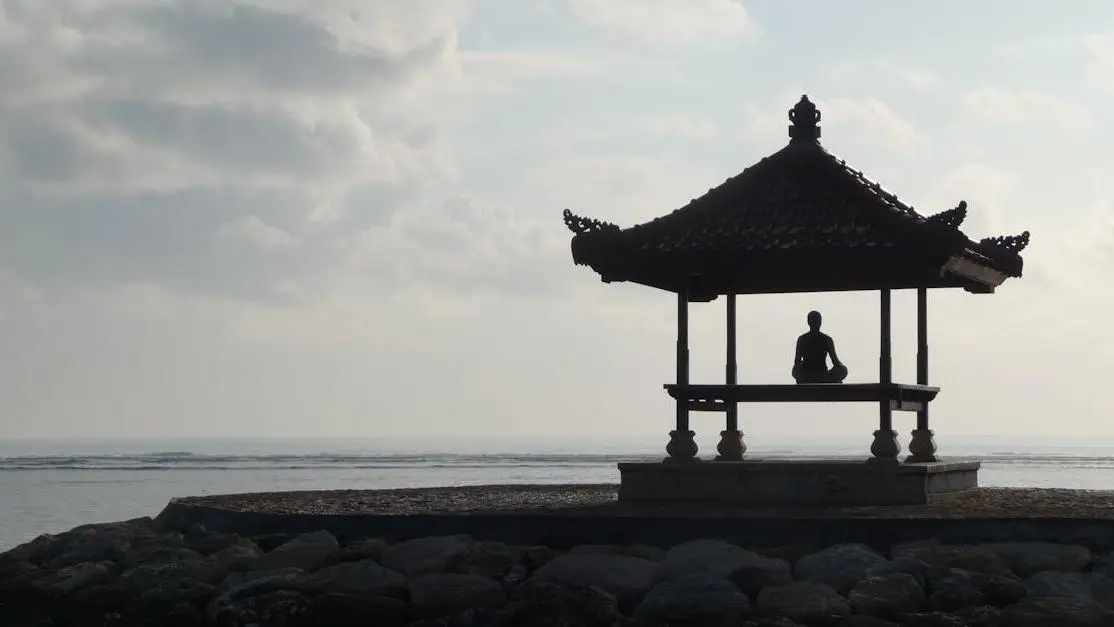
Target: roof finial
[804,117]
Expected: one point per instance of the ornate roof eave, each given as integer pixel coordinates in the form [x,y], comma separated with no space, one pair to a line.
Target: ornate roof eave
[668,242]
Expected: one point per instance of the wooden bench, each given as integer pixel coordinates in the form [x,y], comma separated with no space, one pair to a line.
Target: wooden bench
[899,396]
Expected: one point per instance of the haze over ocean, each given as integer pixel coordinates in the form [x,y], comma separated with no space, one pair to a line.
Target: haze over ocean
[52,486]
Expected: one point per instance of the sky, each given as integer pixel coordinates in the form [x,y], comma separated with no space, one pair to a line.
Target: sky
[342,218]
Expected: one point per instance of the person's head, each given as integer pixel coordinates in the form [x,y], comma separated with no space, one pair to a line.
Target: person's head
[814,320]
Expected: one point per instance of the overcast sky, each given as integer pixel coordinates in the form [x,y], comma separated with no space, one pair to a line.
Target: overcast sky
[343,217]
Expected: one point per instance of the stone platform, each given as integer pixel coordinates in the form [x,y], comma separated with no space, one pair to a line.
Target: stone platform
[795,482]
[561,516]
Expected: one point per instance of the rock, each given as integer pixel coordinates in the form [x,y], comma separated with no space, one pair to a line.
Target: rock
[627,578]
[751,579]
[237,586]
[1003,591]
[748,569]
[888,596]
[161,597]
[1085,587]
[933,619]
[307,552]
[490,559]
[96,600]
[644,551]
[159,554]
[982,616]
[1028,558]
[863,620]
[420,556]
[278,608]
[958,590]
[72,578]
[235,558]
[268,542]
[924,572]
[443,594]
[515,577]
[700,599]
[805,602]
[541,604]
[1056,612]
[208,542]
[94,543]
[350,610]
[535,557]
[840,566]
[364,578]
[358,551]
[974,559]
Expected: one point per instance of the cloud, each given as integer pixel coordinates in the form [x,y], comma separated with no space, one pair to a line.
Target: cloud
[995,104]
[216,147]
[672,21]
[873,71]
[1101,66]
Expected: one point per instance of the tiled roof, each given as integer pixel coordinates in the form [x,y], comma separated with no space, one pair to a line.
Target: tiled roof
[801,199]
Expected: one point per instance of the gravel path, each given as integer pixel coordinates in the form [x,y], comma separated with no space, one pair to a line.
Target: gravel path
[600,500]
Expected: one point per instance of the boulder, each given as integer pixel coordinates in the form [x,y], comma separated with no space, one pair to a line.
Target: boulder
[490,559]
[840,566]
[159,554]
[644,551]
[420,556]
[365,578]
[933,619]
[1003,591]
[1028,558]
[627,578]
[1084,587]
[72,578]
[699,599]
[349,610]
[977,559]
[981,616]
[1056,612]
[276,608]
[805,602]
[162,596]
[238,586]
[357,551]
[925,573]
[865,620]
[307,552]
[542,604]
[94,543]
[535,557]
[445,594]
[891,595]
[958,590]
[715,557]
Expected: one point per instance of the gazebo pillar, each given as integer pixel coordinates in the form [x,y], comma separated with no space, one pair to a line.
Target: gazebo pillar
[885,446]
[922,446]
[682,443]
[731,446]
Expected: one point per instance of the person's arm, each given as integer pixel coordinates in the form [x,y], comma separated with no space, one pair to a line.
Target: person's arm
[832,352]
[798,357]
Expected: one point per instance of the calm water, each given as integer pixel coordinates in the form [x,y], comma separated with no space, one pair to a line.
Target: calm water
[51,486]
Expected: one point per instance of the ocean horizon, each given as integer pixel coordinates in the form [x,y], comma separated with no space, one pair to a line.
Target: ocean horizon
[52,485]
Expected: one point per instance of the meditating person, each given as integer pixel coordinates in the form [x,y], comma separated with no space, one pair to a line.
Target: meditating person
[811,363]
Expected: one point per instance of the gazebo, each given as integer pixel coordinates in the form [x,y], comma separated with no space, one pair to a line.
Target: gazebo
[799,220]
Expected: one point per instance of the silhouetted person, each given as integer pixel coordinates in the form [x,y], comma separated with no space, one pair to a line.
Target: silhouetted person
[811,363]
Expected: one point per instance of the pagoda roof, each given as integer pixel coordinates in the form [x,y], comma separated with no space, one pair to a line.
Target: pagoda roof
[799,220]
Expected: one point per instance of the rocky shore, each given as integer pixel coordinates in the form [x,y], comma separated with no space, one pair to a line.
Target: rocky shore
[140,572]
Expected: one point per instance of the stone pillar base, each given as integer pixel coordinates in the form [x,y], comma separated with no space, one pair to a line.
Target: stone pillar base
[922,447]
[885,446]
[731,446]
[682,447]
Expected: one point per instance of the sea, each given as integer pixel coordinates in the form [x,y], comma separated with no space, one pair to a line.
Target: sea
[50,486]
